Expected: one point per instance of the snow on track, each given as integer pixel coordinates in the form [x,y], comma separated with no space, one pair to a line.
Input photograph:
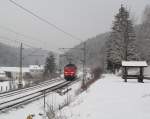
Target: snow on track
[108,98]
[7,99]
[36,106]
[22,90]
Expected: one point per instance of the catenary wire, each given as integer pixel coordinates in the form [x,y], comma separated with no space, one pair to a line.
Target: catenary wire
[46,21]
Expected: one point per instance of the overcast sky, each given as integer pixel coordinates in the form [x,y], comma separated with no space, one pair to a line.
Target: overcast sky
[82,18]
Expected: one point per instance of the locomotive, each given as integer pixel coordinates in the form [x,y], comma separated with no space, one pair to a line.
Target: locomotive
[70,72]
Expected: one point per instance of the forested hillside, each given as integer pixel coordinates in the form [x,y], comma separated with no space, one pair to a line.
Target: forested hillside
[9,56]
[95,53]
[95,48]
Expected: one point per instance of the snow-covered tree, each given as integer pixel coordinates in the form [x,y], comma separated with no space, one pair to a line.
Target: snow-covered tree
[121,44]
[146,15]
[50,65]
[143,35]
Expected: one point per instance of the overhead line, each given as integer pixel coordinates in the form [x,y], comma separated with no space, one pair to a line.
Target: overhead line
[59,29]
[20,34]
[36,49]
[30,54]
[46,21]
[6,38]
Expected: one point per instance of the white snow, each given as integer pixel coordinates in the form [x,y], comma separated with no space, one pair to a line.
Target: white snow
[108,98]
[14,69]
[134,63]
[147,71]
[34,90]
[4,86]
[36,107]
[111,98]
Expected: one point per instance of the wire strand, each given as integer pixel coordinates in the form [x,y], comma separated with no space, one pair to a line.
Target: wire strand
[46,21]
[20,34]
[16,41]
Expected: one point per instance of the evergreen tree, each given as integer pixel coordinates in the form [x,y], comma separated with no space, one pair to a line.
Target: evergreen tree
[50,65]
[121,44]
[143,35]
[146,15]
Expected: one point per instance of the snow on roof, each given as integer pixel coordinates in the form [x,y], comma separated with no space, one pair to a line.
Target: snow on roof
[14,69]
[38,67]
[134,63]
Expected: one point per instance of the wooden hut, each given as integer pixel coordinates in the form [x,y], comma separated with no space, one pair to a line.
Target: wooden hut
[133,64]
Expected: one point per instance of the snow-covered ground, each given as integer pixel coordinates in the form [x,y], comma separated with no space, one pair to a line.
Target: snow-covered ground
[111,98]
[10,85]
[108,98]
[37,107]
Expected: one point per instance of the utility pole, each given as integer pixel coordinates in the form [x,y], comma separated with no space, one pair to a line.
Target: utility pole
[20,64]
[44,100]
[84,64]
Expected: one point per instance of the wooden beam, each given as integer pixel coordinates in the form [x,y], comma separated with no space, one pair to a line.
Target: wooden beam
[125,71]
[140,79]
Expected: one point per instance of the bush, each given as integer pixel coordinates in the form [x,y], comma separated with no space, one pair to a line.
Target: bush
[97,72]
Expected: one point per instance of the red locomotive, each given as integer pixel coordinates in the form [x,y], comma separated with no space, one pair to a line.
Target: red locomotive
[70,72]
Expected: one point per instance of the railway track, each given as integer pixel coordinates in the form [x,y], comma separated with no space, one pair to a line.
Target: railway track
[29,97]
[19,91]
